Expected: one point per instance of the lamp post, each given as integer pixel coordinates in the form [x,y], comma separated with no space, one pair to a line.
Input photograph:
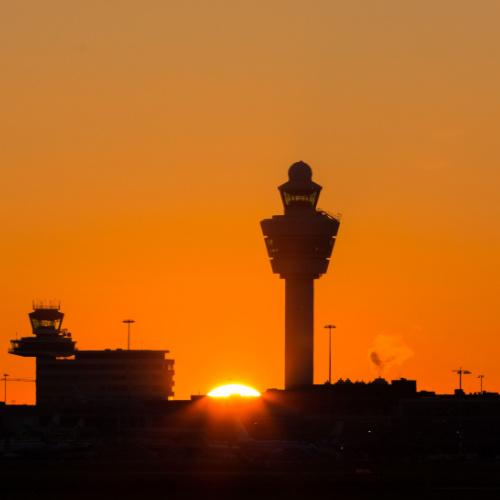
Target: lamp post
[128,322]
[330,328]
[5,375]
[481,377]
[461,372]
[7,379]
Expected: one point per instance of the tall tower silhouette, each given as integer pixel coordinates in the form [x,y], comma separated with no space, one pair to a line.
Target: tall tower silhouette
[299,244]
[48,343]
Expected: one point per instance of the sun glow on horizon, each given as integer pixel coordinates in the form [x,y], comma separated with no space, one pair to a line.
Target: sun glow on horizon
[228,390]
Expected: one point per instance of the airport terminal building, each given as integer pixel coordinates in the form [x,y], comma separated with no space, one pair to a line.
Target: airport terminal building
[66,375]
[105,376]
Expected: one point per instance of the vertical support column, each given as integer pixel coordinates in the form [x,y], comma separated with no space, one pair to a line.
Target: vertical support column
[38,380]
[42,364]
[299,331]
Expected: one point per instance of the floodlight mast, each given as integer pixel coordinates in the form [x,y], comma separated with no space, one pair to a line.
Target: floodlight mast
[299,244]
[128,322]
[481,378]
[5,378]
[461,372]
[330,328]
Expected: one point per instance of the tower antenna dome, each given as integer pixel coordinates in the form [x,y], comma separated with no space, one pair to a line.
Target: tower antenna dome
[300,171]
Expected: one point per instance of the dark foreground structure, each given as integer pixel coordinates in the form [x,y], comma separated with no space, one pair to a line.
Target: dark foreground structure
[108,376]
[346,440]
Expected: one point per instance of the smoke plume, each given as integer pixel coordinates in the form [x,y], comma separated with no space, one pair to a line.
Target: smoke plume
[388,351]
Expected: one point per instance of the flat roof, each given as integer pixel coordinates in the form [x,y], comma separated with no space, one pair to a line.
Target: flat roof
[120,353]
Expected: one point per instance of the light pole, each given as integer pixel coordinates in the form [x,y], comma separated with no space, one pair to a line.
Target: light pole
[5,375]
[128,322]
[481,377]
[461,372]
[330,328]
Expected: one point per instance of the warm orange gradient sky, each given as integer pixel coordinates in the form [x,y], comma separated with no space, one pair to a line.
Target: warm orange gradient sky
[142,142]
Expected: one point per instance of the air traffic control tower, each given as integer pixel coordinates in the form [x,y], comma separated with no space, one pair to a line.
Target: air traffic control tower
[299,244]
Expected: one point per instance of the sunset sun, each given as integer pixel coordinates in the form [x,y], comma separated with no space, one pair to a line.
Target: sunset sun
[228,390]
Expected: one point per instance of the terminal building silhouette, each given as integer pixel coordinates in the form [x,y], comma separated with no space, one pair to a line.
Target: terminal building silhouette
[66,375]
[299,244]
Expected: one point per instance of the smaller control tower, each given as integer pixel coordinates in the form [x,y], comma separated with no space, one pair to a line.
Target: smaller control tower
[49,339]
[299,244]
[48,342]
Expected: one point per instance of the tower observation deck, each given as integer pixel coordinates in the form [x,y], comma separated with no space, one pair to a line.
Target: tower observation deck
[299,244]
[49,340]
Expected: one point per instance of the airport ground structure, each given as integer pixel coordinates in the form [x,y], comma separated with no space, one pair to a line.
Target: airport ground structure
[67,376]
[352,437]
[299,244]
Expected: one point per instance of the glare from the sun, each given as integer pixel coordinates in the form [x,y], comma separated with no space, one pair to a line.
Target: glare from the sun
[228,390]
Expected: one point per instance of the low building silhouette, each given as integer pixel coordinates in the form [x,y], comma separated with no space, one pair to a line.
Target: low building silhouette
[91,377]
[68,376]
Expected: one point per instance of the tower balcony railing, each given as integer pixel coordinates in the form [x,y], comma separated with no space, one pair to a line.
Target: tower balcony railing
[14,345]
[47,304]
[337,217]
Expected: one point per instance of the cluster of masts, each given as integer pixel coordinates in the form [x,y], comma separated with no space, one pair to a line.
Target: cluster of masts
[47,304]
[461,371]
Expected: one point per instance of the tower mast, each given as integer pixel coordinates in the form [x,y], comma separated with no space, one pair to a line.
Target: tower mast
[299,244]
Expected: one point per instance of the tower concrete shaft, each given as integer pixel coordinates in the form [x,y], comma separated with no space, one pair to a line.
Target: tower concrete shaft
[299,244]
[299,331]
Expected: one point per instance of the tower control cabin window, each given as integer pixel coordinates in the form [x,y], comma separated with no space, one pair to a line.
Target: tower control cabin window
[299,199]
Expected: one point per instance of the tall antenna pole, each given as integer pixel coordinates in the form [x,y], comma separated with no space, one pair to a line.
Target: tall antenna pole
[128,322]
[5,375]
[330,328]
[481,377]
[461,372]
[7,379]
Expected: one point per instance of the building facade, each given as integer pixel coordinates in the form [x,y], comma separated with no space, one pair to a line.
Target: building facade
[92,377]
[66,375]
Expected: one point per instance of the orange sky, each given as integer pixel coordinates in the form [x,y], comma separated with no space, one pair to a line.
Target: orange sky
[142,142]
